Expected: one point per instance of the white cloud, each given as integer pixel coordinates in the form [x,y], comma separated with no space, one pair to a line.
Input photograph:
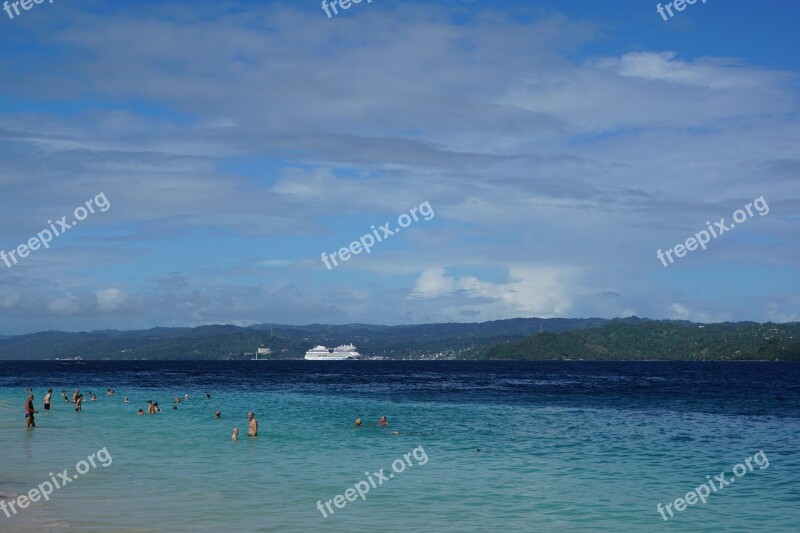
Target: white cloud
[785,311]
[707,73]
[433,282]
[680,311]
[64,305]
[528,291]
[10,301]
[109,299]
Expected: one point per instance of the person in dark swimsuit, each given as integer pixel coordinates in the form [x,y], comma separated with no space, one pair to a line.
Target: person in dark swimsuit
[47,399]
[29,412]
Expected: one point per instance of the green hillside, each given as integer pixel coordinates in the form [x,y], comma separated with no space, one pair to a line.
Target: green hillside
[663,340]
[521,338]
[287,342]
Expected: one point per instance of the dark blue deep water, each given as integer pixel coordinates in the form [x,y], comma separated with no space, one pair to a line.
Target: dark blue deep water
[735,388]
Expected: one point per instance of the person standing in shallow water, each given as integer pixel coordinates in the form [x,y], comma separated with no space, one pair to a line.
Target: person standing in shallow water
[252,429]
[29,412]
[47,399]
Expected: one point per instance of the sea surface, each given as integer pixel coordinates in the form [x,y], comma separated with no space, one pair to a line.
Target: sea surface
[483,446]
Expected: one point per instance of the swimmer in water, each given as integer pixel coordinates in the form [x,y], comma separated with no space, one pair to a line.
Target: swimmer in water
[156,408]
[235,435]
[358,422]
[150,408]
[218,414]
[94,397]
[141,412]
[126,400]
[208,396]
[383,421]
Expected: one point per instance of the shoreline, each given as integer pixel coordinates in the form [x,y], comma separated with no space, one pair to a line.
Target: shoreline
[33,519]
[409,360]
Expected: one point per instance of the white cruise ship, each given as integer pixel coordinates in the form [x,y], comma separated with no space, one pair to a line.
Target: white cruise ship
[345,352]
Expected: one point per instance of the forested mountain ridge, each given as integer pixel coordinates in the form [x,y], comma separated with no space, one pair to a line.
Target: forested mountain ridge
[286,342]
[662,340]
[630,338]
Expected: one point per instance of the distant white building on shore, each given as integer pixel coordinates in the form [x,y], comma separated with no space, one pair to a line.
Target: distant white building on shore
[266,352]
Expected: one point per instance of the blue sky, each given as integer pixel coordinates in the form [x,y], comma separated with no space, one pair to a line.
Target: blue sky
[559,144]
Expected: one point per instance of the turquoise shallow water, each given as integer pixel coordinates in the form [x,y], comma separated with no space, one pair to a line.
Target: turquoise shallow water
[575,448]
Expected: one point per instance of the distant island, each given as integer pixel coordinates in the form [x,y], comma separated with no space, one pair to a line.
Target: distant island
[629,338]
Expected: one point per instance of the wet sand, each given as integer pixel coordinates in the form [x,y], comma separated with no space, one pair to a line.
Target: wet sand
[33,519]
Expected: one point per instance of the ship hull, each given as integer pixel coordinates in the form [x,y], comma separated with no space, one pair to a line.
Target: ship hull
[330,358]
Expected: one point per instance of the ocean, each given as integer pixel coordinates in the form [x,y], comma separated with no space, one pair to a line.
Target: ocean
[470,446]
